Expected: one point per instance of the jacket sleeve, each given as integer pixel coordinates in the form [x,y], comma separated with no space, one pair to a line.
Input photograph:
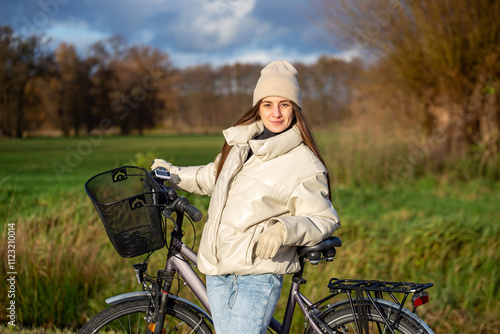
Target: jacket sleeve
[198,180]
[313,217]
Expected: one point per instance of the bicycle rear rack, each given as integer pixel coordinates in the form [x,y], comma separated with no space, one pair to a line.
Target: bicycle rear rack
[378,288]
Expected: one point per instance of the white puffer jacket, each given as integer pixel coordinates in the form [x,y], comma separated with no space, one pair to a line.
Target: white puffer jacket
[282,181]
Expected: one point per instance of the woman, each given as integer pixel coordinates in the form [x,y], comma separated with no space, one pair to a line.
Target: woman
[270,193]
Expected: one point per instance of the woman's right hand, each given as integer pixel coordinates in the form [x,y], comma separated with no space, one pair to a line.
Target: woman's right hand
[161,163]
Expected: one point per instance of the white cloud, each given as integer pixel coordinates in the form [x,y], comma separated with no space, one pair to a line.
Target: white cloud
[217,24]
[349,55]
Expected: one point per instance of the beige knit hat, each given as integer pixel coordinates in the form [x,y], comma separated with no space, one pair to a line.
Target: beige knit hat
[279,78]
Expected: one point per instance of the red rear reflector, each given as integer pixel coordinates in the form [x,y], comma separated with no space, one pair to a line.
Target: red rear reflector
[421,300]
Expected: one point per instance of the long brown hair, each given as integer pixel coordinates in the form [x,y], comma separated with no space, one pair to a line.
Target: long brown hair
[252,115]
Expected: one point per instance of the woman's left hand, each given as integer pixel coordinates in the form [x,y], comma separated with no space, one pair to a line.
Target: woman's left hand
[270,241]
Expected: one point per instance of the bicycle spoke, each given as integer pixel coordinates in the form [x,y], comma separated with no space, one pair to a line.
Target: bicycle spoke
[138,321]
[121,324]
[129,324]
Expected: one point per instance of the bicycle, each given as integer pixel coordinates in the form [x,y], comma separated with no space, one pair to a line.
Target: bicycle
[158,309]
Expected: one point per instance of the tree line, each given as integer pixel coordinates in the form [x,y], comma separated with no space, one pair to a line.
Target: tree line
[131,88]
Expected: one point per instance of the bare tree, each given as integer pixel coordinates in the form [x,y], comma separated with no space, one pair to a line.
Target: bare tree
[142,90]
[234,87]
[21,60]
[328,86]
[198,99]
[67,93]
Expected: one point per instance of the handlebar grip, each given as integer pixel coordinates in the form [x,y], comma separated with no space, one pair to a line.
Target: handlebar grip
[193,212]
[183,205]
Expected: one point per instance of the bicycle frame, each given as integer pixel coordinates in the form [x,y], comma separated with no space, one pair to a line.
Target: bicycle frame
[179,252]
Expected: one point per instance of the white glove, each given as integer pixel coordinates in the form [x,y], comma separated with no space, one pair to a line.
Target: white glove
[161,163]
[270,241]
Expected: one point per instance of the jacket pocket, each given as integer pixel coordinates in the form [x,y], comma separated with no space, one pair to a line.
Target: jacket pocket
[250,254]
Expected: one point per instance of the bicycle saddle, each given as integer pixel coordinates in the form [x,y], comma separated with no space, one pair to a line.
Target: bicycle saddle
[325,247]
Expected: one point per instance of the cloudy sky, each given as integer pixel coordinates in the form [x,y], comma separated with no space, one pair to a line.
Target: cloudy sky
[190,31]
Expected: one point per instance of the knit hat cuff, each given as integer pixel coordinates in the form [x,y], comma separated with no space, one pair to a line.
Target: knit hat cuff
[278,87]
[279,78]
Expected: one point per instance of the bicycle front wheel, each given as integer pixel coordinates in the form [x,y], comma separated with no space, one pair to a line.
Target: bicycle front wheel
[129,317]
[343,321]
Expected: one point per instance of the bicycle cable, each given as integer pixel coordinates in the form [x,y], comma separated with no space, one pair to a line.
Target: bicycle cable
[194,230]
[169,245]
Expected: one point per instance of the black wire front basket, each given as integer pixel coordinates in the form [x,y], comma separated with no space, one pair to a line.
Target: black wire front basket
[129,201]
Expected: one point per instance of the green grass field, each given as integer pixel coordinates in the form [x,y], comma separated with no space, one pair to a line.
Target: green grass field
[424,228]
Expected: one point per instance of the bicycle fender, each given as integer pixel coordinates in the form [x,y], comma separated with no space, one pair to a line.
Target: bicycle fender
[146,295]
[379,301]
[127,297]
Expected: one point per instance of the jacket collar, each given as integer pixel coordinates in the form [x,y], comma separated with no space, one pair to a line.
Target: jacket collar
[267,149]
[241,134]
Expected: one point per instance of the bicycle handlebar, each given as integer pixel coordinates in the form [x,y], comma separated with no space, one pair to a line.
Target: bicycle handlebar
[178,203]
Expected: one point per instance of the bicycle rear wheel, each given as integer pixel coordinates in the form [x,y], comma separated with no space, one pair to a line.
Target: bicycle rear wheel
[129,317]
[342,321]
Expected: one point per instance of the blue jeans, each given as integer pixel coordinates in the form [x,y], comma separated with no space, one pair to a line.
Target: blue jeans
[243,304]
